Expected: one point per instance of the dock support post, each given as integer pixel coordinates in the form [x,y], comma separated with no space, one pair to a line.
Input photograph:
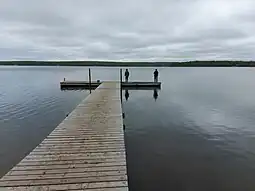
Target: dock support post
[120,76]
[89,81]
[121,84]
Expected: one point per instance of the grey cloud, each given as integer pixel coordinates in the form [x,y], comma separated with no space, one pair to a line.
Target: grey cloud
[127,30]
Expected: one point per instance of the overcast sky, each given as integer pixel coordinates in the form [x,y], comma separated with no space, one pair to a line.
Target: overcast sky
[148,30]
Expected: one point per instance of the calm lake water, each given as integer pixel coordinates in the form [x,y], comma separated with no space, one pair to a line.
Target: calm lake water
[199,134]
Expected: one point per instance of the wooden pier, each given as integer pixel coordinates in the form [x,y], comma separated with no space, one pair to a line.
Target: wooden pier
[94,85]
[85,152]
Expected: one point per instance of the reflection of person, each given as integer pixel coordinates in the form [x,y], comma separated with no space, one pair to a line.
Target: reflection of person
[126,75]
[155,94]
[155,75]
[126,94]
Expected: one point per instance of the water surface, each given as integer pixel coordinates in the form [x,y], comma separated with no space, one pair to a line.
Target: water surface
[198,134]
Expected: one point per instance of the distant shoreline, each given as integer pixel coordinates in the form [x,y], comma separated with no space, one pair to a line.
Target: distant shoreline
[132,64]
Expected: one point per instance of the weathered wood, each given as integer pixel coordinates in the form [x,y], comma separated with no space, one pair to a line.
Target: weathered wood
[69,170]
[85,152]
[94,85]
[48,188]
[70,157]
[63,165]
[77,151]
[64,175]
[88,148]
[45,163]
[99,186]
[80,145]
[75,180]
[80,154]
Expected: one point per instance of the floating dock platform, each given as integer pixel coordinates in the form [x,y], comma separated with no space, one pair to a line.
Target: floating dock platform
[85,152]
[94,85]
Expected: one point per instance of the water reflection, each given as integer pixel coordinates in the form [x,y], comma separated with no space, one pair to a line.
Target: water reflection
[155,94]
[126,94]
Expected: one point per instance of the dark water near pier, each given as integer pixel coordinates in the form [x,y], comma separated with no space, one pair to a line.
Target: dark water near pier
[199,133]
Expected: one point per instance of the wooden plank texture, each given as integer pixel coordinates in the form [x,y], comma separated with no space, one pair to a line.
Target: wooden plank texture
[85,152]
[94,85]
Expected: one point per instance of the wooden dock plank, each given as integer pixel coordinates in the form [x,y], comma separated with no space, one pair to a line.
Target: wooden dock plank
[64,175]
[93,85]
[95,154]
[75,180]
[104,186]
[69,170]
[85,152]
[67,163]
[88,148]
[62,165]
[59,189]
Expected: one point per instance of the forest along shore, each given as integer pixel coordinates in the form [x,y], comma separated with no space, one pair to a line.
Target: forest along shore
[133,64]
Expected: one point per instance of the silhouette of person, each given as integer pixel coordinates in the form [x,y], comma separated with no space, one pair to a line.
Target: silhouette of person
[155,75]
[126,94]
[155,94]
[126,75]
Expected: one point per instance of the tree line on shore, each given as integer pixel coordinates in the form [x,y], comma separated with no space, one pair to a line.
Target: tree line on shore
[134,64]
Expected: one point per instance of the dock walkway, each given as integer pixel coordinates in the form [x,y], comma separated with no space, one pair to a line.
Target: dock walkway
[85,152]
[94,85]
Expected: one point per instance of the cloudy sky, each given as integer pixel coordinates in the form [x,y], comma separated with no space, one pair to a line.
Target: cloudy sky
[145,30]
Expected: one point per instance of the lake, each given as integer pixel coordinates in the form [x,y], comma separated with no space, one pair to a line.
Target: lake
[196,133]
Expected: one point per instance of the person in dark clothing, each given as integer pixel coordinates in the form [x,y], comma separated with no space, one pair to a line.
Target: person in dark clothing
[156,75]
[126,75]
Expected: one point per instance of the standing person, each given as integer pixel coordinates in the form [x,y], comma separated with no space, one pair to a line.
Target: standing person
[155,75]
[126,75]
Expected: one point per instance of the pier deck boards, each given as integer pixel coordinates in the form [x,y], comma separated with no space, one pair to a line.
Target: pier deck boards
[94,85]
[85,152]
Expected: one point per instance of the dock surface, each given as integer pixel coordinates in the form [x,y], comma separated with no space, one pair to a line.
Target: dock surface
[85,152]
[94,85]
